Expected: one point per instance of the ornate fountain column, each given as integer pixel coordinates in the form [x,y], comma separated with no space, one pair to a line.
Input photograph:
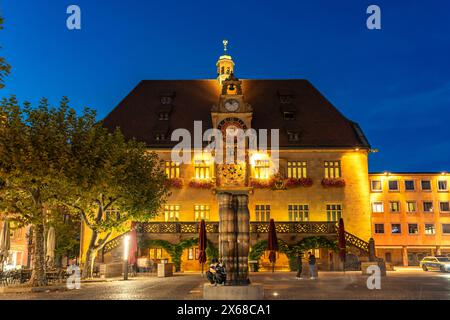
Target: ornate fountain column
[234,236]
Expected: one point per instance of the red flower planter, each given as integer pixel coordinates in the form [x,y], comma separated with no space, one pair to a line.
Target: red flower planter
[333,183]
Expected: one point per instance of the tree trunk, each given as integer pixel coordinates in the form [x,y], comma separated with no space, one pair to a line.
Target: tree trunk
[38,277]
[91,253]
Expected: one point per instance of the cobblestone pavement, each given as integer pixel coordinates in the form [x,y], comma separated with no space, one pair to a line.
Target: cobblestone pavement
[402,284]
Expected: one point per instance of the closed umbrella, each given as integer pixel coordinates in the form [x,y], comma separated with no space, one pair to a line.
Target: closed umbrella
[272,244]
[5,243]
[341,240]
[50,250]
[202,244]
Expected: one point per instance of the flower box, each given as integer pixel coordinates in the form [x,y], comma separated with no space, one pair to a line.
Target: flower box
[176,183]
[201,184]
[331,183]
[298,182]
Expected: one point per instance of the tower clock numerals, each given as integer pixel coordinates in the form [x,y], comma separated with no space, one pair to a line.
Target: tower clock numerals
[231,105]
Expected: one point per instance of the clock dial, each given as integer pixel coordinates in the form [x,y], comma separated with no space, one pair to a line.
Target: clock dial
[231,105]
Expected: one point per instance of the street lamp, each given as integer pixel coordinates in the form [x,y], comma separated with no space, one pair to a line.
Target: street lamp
[126,250]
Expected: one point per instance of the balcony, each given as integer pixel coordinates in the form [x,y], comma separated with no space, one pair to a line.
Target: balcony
[301,227]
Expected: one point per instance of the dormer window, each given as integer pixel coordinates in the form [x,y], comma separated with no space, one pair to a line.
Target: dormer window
[285,99]
[163,116]
[160,137]
[293,136]
[289,115]
[165,100]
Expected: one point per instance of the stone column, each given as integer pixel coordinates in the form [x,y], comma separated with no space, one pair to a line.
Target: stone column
[243,236]
[405,256]
[227,235]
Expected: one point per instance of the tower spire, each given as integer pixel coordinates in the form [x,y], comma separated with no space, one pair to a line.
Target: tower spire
[225,64]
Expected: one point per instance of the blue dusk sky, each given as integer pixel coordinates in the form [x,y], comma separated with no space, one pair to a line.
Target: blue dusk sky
[395,82]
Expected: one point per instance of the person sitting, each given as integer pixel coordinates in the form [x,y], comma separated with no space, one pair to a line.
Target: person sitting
[216,273]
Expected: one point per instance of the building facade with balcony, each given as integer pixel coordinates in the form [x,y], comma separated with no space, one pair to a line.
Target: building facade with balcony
[320,177]
[410,216]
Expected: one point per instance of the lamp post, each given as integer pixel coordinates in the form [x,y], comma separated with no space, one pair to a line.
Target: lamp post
[126,250]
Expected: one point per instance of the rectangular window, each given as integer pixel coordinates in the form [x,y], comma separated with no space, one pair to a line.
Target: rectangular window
[332,169]
[262,169]
[379,228]
[202,169]
[409,185]
[442,185]
[376,185]
[396,228]
[334,212]
[201,212]
[413,228]
[425,185]
[394,206]
[393,185]
[172,213]
[446,228]
[172,169]
[430,229]
[262,212]
[427,206]
[377,207]
[296,169]
[191,253]
[444,206]
[411,206]
[289,115]
[298,212]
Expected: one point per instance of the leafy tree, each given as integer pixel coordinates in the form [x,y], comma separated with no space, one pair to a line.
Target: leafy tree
[35,149]
[113,181]
[5,68]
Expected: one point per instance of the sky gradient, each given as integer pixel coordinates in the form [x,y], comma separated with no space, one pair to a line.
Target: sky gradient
[394,82]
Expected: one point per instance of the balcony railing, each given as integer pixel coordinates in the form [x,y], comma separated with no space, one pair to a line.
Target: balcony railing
[307,227]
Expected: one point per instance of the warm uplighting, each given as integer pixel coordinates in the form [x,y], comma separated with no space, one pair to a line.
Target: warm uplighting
[444,173]
[261,165]
[126,247]
[386,173]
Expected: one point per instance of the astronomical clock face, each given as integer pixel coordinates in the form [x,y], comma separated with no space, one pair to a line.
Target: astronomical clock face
[231,105]
[231,125]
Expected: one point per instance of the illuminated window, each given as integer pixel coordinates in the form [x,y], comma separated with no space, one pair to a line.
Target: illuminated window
[298,212]
[396,228]
[156,253]
[425,185]
[394,206]
[112,212]
[379,228]
[296,169]
[262,169]
[332,169]
[427,206]
[163,116]
[172,213]
[202,169]
[160,137]
[430,228]
[442,185]
[262,212]
[413,228]
[444,206]
[377,207]
[393,185]
[201,212]
[334,212]
[172,169]
[376,185]
[411,206]
[193,253]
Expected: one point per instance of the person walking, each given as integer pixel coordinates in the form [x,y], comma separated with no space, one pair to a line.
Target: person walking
[299,266]
[312,265]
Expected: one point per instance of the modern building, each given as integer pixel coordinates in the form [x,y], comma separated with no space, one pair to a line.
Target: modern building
[410,215]
[322,173]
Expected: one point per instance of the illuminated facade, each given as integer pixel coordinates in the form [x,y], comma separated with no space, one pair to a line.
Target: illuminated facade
[410,216]
[322,174]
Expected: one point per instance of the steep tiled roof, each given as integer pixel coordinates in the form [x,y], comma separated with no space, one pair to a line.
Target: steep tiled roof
[317,122]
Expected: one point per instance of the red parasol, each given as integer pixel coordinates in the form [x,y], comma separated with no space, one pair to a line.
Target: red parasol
[202,243]
[272,244]
[342,245]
